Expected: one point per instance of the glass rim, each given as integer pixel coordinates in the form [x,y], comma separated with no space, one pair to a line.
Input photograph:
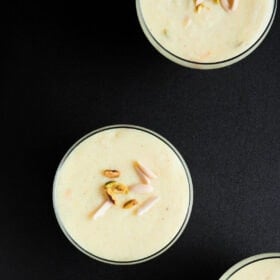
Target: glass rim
[217,64]
[190,200]
[248,261]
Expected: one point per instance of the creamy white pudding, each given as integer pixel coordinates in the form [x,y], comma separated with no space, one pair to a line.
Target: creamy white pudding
[260,267]
[205,32]
[118,233]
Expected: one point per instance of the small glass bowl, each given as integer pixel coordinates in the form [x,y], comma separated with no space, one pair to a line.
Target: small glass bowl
[189,206]
[195,64]
[243,263]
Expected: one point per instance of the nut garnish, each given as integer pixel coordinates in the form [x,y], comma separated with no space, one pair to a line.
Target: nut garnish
[111,197]
[147,172]
[130,203]
[112,188]
[116,187]
[144,179]
[102,209]
[147,205]
[199,7]
[229,5]
[111,173]
[198,2]
[141,188]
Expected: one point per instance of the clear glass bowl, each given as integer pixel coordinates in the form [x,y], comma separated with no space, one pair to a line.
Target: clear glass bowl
[189,206]
[243,263]
[195,64]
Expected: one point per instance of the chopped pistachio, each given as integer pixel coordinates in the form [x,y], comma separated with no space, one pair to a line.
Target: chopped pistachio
[112,188]
[116,187]
[111,173]
[199,7]
[130,203]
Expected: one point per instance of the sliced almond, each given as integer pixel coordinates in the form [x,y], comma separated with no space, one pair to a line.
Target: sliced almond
[234,5]
[141,188]
[102,209]
[130,203]
[147,205]
[145,170]
[229,5]
[144,179]
[111,173]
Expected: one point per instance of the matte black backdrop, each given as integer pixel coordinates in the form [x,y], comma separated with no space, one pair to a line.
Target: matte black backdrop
[69,72]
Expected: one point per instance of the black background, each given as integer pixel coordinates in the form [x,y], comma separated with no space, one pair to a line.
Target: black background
[69,71]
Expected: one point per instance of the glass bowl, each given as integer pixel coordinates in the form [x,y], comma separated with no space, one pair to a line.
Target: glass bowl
[196,64]
[186,217]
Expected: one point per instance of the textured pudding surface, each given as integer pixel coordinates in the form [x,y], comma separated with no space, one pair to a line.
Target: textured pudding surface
[210,35]
[120,234]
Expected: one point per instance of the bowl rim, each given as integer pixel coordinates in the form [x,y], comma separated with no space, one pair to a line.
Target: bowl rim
[188,212]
